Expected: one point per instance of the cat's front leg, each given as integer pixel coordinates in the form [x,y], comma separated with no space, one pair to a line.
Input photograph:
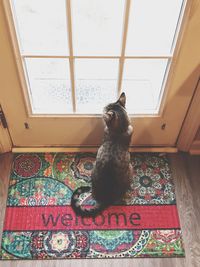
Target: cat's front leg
[106,130]
[130,170]
[130,130]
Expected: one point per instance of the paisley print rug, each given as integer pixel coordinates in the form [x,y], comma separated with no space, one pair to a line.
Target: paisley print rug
[40,224]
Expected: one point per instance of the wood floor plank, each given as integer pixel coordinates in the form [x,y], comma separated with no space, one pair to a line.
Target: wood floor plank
[186,173]
[5,167]
[187,207]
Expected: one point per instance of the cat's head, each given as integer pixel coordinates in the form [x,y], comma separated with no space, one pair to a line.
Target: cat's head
[115,115]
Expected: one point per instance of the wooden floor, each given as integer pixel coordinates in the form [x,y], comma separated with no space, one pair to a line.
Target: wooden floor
[186,172]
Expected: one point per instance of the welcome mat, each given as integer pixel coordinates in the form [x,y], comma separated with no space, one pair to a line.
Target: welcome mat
[40,223]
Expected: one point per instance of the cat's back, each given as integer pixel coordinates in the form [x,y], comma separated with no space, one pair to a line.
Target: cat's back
[112,155]
[111,173]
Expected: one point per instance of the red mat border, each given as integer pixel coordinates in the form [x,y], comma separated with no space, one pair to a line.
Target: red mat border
[44,218]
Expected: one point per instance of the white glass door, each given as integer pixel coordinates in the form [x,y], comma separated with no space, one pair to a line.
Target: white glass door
[74,57]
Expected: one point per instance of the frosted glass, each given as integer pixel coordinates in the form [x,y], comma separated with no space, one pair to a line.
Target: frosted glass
[152,26]
[42,26]
[96,84]
[49,85]
[142,83]
[97,27]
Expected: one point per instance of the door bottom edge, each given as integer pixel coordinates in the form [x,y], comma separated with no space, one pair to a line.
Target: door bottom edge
[74,149]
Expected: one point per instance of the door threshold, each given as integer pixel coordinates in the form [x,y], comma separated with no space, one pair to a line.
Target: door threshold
[90,149]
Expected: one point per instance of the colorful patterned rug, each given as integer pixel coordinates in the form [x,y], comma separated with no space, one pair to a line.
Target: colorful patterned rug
[40,224]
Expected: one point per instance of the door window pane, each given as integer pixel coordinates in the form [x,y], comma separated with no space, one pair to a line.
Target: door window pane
[152,26]
[96,84]
[49,85]
[97,27]
[142,83]
[42,26]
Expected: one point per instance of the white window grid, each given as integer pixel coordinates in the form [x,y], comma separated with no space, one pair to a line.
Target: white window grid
[122,57]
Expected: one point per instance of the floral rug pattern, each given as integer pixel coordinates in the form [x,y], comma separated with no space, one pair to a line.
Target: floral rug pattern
[44,179]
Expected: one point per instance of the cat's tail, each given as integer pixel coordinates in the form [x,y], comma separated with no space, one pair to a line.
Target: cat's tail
[81,210]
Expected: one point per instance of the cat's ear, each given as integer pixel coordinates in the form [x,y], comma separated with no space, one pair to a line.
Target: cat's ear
[122,99]
[108,116]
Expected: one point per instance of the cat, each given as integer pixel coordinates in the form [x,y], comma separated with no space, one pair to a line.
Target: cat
[112,170]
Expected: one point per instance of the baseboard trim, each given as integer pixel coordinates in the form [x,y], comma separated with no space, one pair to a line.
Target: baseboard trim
[90,149]
[194,151]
